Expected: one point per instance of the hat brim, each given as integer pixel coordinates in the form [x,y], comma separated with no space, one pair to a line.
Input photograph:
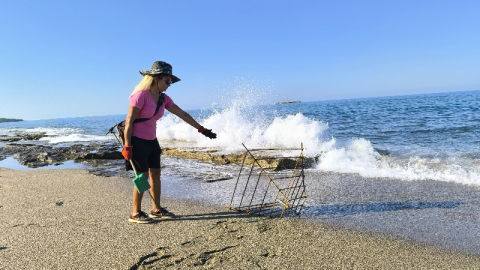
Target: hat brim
[149,72]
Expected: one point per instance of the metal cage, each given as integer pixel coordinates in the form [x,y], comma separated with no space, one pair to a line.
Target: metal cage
[269,191]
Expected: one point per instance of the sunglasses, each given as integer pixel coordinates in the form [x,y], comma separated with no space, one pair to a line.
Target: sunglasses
[168,81]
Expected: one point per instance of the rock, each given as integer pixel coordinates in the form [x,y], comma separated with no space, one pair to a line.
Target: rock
[382,152]
[34,156]
[23,137]
[276,164]
[33,137]
[109,161]
[39,159]
[102,155]
[285,164]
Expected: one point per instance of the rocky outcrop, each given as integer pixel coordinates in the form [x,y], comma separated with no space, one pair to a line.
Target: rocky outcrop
[36,155]
[33,155]
[22,137]
[266,161]
[271,160]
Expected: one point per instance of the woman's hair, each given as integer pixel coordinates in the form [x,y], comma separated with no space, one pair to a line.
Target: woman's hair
[146,83]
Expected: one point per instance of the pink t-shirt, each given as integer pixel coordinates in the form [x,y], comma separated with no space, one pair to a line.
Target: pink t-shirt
[144,101]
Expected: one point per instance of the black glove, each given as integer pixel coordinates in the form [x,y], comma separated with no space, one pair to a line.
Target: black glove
[207,133]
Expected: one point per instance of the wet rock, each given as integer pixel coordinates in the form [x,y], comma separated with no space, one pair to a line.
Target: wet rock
[107,159]
[38,158]
[217,177]
[285,164]
[14,148]
[264,161]
[92,151]
[97,162]
[108,168]
[101,155]
[382,152]
[10,139]
[33,155]
[23,137]
[33,137]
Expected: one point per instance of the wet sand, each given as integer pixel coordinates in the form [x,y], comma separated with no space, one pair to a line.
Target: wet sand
[69,219]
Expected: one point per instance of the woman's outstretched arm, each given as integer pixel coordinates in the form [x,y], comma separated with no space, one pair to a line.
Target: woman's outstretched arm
[184,116]
[189,120]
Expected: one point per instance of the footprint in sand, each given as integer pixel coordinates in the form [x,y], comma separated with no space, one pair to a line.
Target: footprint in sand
[28,224]
[151,258]
[262,228]
[208,257]
[188,243]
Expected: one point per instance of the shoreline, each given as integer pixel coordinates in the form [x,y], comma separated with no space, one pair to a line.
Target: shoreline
[443,214]
[72,219]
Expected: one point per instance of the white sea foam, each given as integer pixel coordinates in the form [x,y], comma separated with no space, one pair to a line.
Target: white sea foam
[56,135]
[360,157]
[53,131]
[75,138]
[49,131]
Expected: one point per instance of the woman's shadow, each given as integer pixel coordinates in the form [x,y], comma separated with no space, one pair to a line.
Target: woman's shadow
[331,210]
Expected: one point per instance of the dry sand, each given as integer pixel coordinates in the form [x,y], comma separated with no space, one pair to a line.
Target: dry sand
[69,219]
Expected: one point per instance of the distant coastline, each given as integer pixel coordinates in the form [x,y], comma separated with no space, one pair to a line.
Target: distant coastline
[3,120]
[286,102]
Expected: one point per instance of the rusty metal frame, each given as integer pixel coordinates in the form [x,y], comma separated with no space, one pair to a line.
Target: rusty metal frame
[279,196]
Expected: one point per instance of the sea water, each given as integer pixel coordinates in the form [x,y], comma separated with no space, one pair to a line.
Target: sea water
[414,137]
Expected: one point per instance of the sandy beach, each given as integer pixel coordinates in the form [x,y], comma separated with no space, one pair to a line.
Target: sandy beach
[70,219]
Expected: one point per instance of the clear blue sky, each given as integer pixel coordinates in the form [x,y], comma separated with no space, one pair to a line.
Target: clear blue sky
[81,58]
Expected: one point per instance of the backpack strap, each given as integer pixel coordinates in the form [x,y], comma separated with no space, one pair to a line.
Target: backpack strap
[161,99]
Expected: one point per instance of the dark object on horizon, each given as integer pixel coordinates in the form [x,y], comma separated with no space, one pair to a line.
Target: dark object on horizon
[286,102]
[3,120]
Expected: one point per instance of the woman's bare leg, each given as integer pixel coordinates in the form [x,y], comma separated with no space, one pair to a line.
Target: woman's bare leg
[156,187]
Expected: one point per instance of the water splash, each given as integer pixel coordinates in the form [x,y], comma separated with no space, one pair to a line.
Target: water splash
[245,114]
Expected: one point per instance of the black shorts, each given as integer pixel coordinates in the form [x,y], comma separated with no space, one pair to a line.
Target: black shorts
[146,154]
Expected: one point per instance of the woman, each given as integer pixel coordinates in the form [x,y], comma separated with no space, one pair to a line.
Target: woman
[141,145]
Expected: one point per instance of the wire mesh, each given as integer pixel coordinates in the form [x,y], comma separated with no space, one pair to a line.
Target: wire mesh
[265,191]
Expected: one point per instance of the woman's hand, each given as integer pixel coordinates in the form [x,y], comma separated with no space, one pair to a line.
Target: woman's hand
[207,132]
[127,152]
